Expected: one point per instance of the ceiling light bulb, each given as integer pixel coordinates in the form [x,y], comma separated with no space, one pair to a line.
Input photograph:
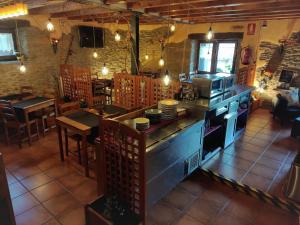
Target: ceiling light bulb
[104,70]
[167,79]
[50,26]
[117,37]
[146,57]
[172,28]
[209,34]
[161,62]
[22,68]
[95,55]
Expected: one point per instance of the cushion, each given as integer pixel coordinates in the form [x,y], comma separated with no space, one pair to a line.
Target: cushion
[292,96]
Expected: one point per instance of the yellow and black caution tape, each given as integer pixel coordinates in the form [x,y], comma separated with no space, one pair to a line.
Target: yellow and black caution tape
[253,192]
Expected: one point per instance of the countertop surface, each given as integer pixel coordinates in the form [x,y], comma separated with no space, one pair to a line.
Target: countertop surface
[195,112]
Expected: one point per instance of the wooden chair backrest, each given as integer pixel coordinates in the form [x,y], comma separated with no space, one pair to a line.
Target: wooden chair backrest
[8,113]
[26,89]
[99,88]
[121,164]
[68,107]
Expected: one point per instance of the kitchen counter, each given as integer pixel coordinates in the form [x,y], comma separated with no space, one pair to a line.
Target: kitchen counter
[195,114]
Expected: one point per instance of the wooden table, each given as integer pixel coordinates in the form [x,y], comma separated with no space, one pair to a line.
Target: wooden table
[31,105]
[83,122]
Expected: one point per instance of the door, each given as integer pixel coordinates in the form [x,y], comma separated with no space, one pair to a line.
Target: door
[230,125]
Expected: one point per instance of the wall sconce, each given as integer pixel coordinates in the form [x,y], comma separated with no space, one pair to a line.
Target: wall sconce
[54,44]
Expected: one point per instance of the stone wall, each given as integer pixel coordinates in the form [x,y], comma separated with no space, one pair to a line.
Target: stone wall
[41,64]
[277,57]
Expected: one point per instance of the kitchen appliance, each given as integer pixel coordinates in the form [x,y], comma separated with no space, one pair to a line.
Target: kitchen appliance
[209,102]
[228,80]
[208,85]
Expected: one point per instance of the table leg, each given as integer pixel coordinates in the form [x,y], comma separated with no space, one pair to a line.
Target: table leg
[61,148]
[28,127]
[85,155]
[66,141]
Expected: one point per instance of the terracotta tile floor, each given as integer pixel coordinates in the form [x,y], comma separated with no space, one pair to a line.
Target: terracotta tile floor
[47,191]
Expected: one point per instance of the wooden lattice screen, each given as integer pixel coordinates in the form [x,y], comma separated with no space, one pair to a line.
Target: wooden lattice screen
[120,159]
[130,94]
[83,84]
[66,73]
[246,75]
[77,83]
[159,91]
[125,90]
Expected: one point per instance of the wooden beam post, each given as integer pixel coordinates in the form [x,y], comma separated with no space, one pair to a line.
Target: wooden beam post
[135,43]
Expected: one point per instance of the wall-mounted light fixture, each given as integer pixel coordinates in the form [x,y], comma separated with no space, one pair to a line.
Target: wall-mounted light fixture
[54,44]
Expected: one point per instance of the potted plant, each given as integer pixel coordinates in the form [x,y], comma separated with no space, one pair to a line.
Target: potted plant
[110,210]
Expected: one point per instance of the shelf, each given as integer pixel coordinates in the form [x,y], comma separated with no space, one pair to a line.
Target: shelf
[211,130]
[242,111]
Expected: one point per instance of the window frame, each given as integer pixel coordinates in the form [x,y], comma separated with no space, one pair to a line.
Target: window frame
[214,58]
[10,57]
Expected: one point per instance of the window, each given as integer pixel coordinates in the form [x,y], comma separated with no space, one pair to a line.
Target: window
[7,45]
[216,57]
[205,56]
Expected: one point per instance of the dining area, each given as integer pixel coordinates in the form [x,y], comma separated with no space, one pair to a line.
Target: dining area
[149,112]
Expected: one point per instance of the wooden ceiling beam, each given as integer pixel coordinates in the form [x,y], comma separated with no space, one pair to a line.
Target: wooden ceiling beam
[244,19]
[216,4]
[254,17]
[263,6]
[81,12]
[59,8]
[113,15]
[240,13]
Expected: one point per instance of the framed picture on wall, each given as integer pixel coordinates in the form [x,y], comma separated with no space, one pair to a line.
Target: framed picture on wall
[251,28]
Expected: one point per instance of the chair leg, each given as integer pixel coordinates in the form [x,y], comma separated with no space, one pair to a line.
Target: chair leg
[19,135]
[6,135]
[66,142]
[43,126]
[79,151]
[37,128]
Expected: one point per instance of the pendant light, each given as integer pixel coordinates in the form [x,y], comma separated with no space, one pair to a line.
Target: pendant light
[161,62]
[117,36]
[209,34]
[104,70]
[95,54]
[22,68]
[50,26]
[146,57]
[166,78]
[172,27]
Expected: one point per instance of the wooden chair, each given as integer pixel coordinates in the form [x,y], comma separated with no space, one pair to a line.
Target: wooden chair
[103,88]
[120,161]
[47,115]
[26,92]
[11,122]
[65,109]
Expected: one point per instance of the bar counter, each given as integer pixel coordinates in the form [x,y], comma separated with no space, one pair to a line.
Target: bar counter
[175,150]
